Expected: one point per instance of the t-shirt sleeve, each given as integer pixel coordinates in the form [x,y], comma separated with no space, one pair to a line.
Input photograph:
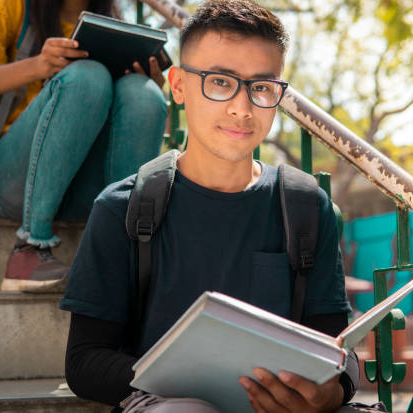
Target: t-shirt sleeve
[325,281]
[11,16]
[99,278]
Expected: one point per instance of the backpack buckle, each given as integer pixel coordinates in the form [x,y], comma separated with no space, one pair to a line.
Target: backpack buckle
[144,230]
[307,261]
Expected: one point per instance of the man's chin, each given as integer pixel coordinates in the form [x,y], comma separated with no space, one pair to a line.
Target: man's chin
[232,156]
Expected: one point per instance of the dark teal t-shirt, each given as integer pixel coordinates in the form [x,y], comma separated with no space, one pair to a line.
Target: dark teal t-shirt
[233,243]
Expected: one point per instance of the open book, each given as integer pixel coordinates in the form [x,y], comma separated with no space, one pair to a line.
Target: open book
[118,44]
[219,339]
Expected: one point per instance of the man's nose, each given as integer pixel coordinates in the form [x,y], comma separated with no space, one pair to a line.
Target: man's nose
[240,105]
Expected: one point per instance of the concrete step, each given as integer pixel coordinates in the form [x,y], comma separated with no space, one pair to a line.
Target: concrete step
[33,329]
[33,335]
[44,396]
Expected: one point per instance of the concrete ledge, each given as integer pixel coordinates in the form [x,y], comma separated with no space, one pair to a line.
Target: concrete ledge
[52,405]
[33,335]
[44,396]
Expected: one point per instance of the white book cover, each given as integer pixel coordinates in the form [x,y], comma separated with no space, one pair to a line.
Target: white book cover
[219,339]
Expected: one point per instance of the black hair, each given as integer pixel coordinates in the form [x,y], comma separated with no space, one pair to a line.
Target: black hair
[45,17]
[243,17]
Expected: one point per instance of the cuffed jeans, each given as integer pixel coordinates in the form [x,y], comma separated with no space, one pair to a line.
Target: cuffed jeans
[81,133]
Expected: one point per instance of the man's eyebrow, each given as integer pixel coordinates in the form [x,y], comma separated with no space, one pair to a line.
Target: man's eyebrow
[266,75]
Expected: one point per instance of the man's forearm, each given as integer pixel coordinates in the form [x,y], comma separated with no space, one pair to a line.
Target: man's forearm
[95,368]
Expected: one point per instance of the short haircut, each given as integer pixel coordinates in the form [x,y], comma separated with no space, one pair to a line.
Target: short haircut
[243,17]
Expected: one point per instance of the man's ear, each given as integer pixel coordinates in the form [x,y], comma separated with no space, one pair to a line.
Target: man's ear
[175,80]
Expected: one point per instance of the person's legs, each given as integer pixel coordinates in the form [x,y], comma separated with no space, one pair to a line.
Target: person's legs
[149,403]
[137,125]
[44,149]
[72,118]
[362,408]
[131,137]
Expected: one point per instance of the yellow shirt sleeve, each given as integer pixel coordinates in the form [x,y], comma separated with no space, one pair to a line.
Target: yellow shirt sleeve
[11,22]
[11,19]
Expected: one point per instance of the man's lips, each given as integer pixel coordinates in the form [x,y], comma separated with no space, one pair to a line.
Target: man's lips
[235,132]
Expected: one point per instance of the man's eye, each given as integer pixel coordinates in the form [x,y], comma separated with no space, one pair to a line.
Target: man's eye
[260,88]
[220,82]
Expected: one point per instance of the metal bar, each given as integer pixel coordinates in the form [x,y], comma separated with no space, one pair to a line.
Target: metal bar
[407,267]
[403,236]
[410,408]
[324,182]
[383,343]
[391,179]
[306,152]
[170,10]
[257,153]
[139,12]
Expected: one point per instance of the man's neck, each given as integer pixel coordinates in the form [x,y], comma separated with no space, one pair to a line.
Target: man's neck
[71,9]
[218,174]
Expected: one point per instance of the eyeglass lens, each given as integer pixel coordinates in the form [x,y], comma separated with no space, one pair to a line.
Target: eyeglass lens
[222,87]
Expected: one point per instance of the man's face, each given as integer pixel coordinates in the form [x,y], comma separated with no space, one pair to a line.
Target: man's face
[228,130]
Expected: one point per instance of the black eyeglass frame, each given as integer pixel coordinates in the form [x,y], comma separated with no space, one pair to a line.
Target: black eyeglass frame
[247,83]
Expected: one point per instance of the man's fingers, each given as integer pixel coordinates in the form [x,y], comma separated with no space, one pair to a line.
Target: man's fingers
[260,399]
[310,391]
[284,395]
[256,406]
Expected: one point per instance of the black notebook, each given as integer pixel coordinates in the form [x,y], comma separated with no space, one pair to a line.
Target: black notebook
[118,44]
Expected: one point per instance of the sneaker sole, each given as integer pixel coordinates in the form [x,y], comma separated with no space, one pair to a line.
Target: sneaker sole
[49,286]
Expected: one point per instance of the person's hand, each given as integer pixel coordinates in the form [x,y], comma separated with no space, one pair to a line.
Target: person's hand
[54,54]
[289,393]
[155,71]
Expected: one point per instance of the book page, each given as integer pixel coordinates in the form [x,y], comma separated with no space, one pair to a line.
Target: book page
[357,330]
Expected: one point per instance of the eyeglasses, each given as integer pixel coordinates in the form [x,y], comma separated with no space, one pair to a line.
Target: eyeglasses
[221,87]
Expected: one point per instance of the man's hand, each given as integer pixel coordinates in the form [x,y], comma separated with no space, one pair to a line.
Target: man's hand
[291,393]
[155,71]
[54,54]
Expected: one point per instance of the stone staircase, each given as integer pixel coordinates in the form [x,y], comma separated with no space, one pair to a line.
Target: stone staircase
[43,396]
[33,335]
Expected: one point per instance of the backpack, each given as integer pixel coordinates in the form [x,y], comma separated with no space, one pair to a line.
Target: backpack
[10,100]
[299,200]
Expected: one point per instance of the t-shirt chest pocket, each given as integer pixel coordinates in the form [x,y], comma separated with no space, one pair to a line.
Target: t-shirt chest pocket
[271,282]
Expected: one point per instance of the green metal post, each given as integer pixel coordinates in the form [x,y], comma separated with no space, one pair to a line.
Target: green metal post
[256,153]
[324,182]
[306,152]
[383,370]
[176,136]
[383,344]
[403,236]
[139,12]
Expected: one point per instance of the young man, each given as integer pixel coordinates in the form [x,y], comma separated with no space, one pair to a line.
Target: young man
[223,228]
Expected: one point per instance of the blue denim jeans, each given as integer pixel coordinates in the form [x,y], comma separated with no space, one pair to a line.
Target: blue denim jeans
[82,132]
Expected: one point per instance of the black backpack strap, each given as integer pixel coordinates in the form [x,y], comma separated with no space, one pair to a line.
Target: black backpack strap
[299,204]
[146,209]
